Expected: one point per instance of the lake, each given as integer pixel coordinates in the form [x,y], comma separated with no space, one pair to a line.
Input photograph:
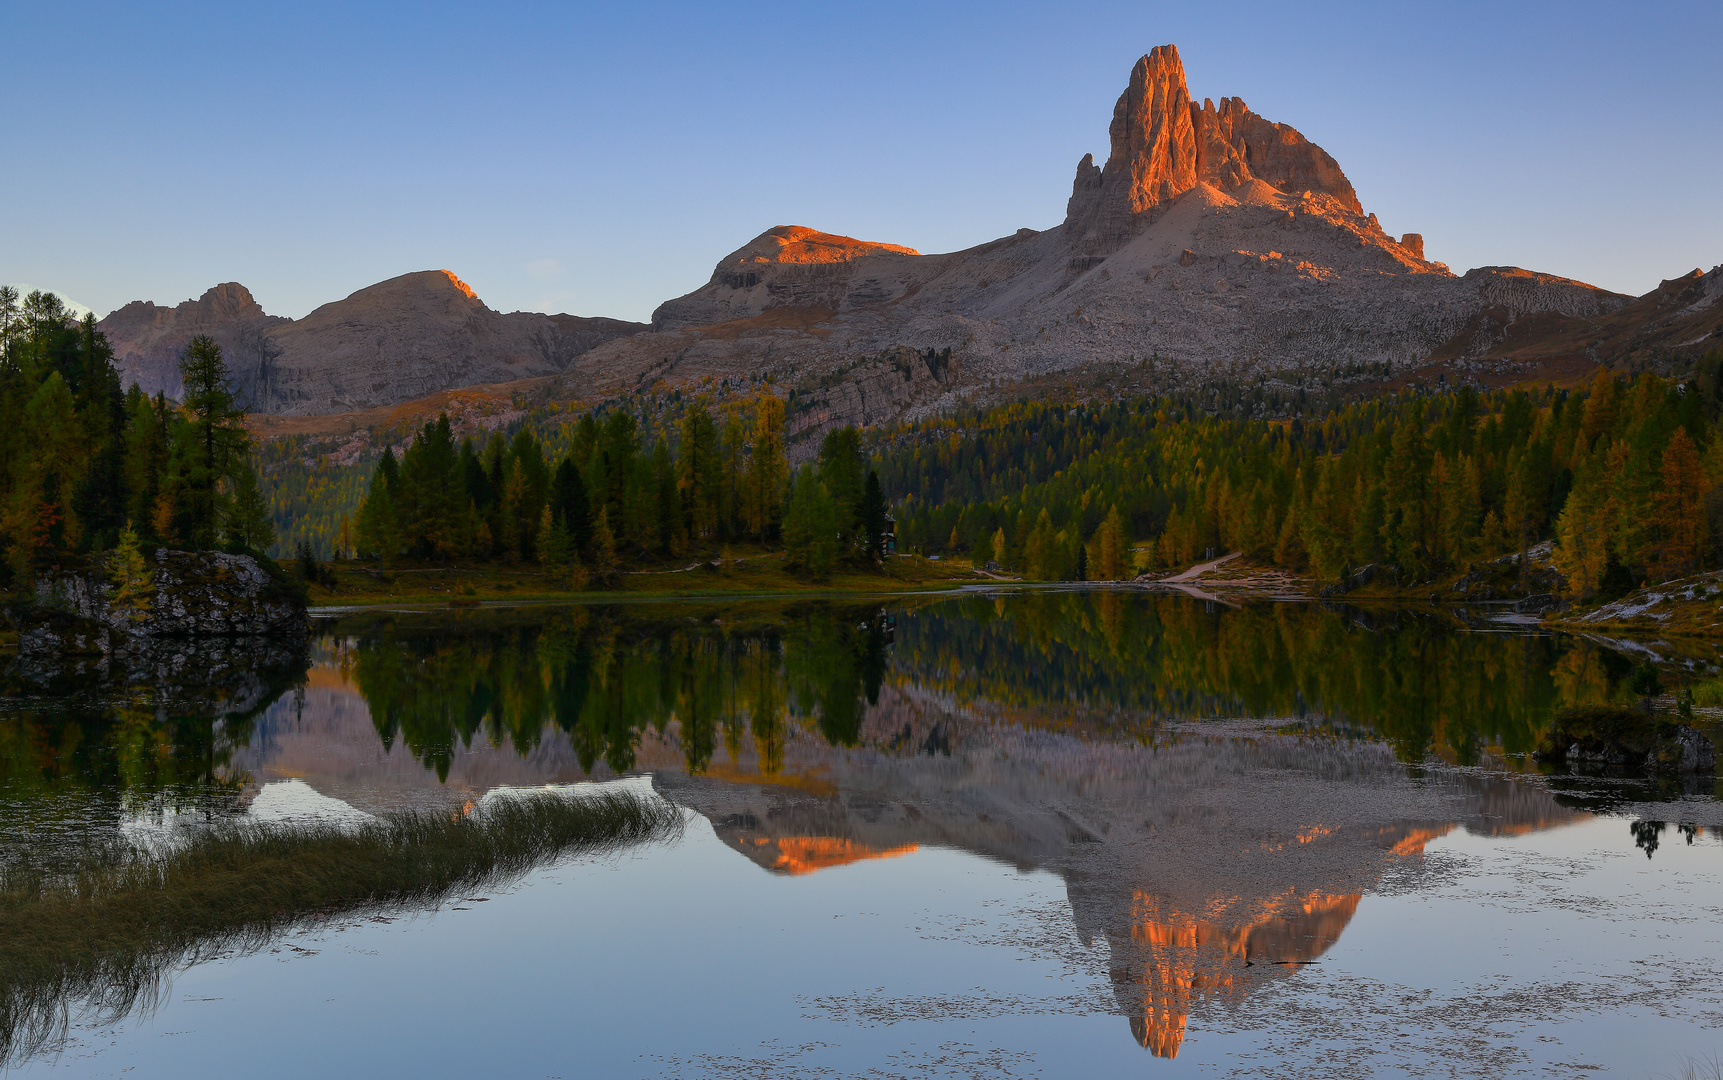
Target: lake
[1060,832]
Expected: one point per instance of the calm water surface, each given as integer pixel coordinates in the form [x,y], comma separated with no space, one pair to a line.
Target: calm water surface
[1054,834]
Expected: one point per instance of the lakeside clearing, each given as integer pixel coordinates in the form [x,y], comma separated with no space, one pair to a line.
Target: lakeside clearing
[748,575]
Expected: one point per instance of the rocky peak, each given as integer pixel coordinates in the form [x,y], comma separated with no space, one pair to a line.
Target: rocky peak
[799,244]
[225,303]
[1164,144]
[421,291]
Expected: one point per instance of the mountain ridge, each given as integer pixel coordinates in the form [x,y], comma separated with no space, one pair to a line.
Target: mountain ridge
[403,338]
[1212,243]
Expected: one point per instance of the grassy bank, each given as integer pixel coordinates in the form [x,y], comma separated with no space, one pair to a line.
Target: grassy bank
[96,935]
[358,583]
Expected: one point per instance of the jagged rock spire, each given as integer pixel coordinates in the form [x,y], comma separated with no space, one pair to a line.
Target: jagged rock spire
[1164,144]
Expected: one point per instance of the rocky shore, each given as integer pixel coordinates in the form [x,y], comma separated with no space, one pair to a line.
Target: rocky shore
[75,623]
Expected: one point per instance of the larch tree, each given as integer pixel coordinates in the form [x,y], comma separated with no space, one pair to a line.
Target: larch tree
[1680,508]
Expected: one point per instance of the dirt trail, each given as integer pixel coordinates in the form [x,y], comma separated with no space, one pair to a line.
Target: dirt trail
[1201,568]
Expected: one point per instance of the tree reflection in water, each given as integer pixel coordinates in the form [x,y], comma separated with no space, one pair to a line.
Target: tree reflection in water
[1028,727]
[1105,660]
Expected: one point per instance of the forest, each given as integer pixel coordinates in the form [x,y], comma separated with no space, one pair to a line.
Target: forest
[1622,474]
[88,466]
[612,499]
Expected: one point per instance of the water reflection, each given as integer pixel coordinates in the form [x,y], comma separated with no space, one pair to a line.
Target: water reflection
[1648,835]
[1078,733]
[88,745]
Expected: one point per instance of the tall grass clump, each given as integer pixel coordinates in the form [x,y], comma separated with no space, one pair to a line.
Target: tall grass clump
[97,935]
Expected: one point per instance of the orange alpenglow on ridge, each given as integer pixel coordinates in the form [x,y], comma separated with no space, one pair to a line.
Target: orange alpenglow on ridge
[805,854]
[1184,959]
[799,244]
[461,285]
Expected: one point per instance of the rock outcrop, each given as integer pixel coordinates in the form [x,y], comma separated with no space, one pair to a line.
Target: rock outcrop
[397,340]
[190,595]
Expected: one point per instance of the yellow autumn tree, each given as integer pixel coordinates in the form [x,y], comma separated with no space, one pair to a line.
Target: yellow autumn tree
[1112,548]
[1678,509]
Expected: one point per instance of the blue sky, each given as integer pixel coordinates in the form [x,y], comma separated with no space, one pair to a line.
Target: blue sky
[600,159]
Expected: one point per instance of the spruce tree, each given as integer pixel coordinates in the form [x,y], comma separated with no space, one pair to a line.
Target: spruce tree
[603,545]
[873,517]
[768,470]
[212,444]
[248,523]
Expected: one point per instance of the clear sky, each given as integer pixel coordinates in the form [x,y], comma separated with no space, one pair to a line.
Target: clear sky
[599,159]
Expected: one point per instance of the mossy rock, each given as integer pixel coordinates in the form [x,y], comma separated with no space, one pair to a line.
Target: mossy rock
[1618,737]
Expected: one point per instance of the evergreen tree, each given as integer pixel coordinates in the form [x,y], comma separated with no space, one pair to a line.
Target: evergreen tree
[569,503]
[380,532]
[697,472]
[431,501]
[618,448]
[810,526]
[982,552]
[873,517]
[841,472]
[211,446]
[768,470]
[248,523]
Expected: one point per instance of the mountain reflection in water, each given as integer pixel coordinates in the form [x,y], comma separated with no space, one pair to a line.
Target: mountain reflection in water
[1080,733]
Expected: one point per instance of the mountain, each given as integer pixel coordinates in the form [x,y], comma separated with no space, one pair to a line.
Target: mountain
[149,338]
[1213,242]
[400,339]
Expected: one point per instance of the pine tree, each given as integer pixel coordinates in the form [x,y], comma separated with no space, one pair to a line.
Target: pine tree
[379,532]
[248,522]
[982,553]
[603,544]
[873,514]
[841,472]
[810,526]
[431,499]
[569,503]
[212,445]
[768,471]
[555,550]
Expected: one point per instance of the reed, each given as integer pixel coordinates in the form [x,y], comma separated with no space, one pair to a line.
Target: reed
[98,935]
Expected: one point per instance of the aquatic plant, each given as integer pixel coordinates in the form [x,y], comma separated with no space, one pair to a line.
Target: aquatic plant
[95,935]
